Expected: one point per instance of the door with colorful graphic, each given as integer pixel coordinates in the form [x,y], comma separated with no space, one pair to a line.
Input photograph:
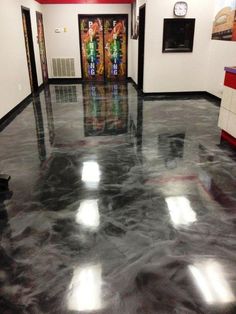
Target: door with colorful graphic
[103,41]
[42,46]
[92,55]
[115,35]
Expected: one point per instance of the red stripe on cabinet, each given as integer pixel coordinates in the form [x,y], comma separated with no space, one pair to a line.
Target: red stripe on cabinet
[230,80]
[228,138]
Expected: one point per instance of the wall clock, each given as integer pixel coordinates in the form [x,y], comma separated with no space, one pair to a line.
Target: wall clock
[180,8]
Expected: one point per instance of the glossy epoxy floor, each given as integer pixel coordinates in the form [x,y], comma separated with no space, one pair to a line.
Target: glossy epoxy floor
[119,205]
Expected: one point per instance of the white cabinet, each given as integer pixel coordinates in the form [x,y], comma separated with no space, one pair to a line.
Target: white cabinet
[223,118]
[227,117]
[233,102]
[227,97]
[232,124]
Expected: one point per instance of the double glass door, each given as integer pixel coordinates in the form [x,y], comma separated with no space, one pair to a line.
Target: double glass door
[103,43]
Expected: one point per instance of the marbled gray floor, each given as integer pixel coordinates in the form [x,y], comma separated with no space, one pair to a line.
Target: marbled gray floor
[119,205]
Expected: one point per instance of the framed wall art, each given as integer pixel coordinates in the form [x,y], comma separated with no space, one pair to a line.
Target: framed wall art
[224,25]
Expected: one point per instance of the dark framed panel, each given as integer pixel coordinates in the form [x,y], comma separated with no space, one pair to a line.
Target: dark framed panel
[178,35]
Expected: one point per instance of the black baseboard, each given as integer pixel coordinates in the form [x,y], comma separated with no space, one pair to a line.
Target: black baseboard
[7,119]
[177,95]
[182,96]
[130,79]
[65,81]
[41,87]
[213,98]
[72,81]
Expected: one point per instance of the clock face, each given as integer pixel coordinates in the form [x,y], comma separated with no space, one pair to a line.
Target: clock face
[180,8]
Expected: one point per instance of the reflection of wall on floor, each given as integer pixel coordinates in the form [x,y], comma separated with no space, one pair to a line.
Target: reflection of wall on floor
[65,94]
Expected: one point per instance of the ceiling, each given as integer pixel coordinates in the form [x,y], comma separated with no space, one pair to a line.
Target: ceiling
[83,1]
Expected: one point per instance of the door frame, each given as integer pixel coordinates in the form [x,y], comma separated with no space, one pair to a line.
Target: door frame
[141,45]
[41,14]
[34,84]
[126,16]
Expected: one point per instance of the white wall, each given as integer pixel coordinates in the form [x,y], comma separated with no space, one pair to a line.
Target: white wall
[202,70]
[222,53]
[134,60]
[134,49]
[175,72]
[66,44]
[14,77]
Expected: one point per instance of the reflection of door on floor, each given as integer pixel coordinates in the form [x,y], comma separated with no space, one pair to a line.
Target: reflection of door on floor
[42,47]
[29,46]
[103,47]
[105,109]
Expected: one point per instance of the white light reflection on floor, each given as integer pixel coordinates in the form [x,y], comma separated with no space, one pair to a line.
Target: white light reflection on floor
[91,174]
[212,283]
[180,210]
[85,290]
[88,214]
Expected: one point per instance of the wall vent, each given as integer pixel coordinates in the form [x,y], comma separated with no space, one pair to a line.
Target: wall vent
[63,67]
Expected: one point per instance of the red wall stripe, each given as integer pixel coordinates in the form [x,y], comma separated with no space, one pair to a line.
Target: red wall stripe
[84,1]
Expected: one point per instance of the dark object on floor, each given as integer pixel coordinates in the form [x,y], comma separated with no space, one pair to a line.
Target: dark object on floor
[4,179]
[5,194]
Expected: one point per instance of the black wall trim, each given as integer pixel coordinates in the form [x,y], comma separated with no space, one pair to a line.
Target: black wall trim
[214,98]
[41,87]
[130,79]
[7,119]
[177,95]
[183,96]
[67,81]
[64,81]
